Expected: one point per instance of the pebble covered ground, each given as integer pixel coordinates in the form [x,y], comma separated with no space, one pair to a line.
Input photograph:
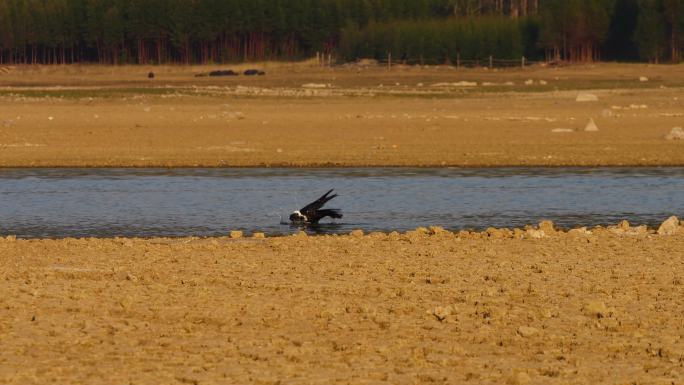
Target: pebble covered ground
[535,305]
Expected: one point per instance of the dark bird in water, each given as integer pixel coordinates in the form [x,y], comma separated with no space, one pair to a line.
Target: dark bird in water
[312,213]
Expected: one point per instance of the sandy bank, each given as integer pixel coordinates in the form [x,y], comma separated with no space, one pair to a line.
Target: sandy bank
[310,116]
[421,307]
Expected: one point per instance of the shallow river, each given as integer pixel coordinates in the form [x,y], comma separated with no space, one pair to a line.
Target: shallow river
[183,202]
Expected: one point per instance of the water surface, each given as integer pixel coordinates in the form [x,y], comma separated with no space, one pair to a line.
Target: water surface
[203,202]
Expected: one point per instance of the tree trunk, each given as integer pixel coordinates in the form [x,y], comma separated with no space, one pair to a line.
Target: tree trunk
[673,44]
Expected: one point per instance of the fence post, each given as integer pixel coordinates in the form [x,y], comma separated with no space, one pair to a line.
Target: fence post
[389,60]
[458,60]
[329,60]
[522,62]
[491,62]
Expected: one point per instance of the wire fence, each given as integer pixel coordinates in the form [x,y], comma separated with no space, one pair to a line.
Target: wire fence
[490,62]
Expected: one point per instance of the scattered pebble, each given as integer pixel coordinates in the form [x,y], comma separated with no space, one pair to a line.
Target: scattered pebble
[437,230]
[456,84]
[235,234]
[597,309]
[535,234]
[591,126]
[643,79]
[315,85]
[585,97]
[520,378]
[580,231]
[562,130]
[356,233]
[442,312]
[677,133]
[669,227]
[547,227]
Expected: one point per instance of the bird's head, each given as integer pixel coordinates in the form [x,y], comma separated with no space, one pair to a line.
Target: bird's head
[298,217]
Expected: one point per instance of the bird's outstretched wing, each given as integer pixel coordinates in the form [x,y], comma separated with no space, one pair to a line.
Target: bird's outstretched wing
[320,214]
[312,207]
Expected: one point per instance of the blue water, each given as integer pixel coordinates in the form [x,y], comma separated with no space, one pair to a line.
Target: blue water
[201,202]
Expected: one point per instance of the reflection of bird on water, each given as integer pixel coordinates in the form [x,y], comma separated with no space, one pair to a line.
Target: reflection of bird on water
[312,213]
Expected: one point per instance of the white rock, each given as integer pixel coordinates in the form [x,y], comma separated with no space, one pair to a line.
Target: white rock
[457,84]
[543,82]
[597,309]
[580,231]
[535,234]
[643,79]
[529,82]
[466,84]
[669,227]
[314,85]
[585,97]
[677,133]
[591,126]
[562,130]
[441,312]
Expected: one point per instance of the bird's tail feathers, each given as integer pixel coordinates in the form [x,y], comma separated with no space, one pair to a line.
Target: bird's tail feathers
[325,198]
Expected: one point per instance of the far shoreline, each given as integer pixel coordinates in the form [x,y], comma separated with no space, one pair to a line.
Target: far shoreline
[302,115]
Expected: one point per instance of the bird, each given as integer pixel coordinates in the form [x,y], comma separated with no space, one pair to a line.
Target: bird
[312,213]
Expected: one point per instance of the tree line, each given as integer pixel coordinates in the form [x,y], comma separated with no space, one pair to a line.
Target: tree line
[221,31]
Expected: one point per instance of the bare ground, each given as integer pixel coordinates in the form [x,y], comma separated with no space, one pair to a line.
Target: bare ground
[302,115]
[493,307]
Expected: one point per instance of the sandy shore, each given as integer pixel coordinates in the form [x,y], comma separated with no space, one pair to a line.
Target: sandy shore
[496,307]
[299,115]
